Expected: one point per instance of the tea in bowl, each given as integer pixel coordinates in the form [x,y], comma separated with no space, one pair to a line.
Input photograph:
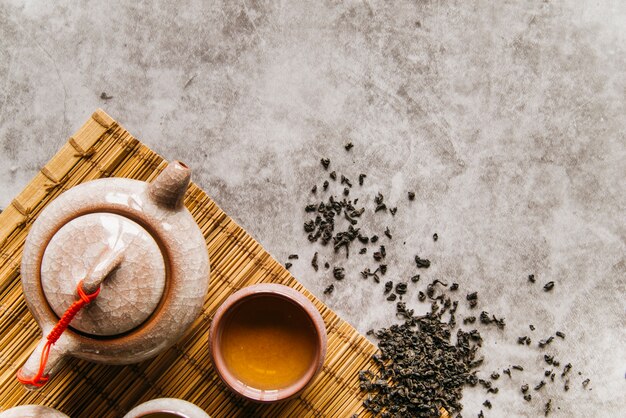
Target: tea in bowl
[267,342]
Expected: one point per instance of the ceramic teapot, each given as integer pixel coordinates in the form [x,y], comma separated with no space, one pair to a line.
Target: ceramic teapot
[114,271]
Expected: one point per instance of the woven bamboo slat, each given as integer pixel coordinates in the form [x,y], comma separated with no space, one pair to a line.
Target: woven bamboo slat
[102,148]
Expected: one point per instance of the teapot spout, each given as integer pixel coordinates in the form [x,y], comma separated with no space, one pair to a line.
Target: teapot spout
[168,189]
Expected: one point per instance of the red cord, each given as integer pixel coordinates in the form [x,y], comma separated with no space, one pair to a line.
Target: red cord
[39,379]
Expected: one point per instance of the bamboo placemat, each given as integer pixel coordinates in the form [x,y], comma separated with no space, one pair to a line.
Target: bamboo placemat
[102,148]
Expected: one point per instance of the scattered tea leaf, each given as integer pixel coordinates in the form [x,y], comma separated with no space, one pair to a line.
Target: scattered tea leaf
[388,286]
[548,407]
[472,298]
[339,273]
[401,288]
[543,343]
[422,262]
[566,369]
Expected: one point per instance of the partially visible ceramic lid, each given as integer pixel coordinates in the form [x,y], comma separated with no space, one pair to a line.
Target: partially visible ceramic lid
[130,263]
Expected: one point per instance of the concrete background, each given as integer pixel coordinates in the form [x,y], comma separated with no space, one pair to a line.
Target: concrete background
[506,119]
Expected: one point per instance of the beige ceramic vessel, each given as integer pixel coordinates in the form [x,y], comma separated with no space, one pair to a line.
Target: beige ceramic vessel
[266,290]
[135,240]
[32,411]
[174,407]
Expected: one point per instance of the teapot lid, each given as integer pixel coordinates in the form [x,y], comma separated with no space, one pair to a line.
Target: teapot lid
[130,292]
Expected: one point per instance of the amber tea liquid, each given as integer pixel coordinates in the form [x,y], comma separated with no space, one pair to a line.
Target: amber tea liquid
[268,342]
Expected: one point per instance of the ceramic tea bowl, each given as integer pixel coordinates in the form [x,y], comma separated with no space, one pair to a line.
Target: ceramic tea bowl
[270,292]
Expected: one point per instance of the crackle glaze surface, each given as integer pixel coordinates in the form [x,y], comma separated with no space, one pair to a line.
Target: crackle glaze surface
[32,411]
[128,295]
[182,247]
[178,406]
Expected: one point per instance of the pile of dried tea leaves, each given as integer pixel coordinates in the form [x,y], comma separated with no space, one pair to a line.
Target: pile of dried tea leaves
[419,369]
[424,362]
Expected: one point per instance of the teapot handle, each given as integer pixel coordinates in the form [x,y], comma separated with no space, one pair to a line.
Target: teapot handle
[56,357]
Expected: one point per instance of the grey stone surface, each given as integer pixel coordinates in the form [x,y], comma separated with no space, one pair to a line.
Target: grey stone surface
[506,119]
